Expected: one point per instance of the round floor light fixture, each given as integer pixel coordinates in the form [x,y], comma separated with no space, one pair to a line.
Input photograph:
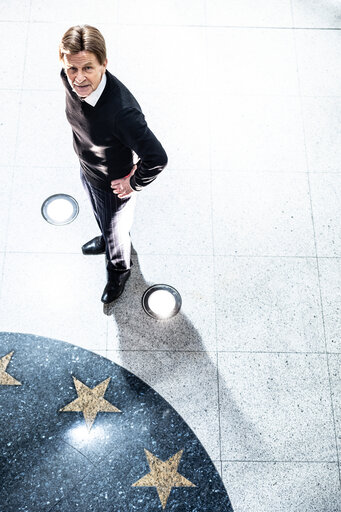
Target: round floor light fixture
[60,209]
[161,301]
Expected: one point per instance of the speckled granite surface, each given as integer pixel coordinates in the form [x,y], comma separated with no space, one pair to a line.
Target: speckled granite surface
[79,432]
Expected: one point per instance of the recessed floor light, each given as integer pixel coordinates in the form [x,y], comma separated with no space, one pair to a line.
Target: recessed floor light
[60,209]
[161,301]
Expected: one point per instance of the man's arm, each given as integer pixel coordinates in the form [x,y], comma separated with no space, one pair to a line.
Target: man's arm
[132,130]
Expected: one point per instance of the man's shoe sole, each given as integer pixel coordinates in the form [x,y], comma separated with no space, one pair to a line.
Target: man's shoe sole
[91,253]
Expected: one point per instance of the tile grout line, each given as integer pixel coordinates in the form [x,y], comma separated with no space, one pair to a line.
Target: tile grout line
[182,169]
[14,155]
[292,12]
[175,25]
[185,169]
[219,414]
[195,94]
[107,336]
[317,265]
[213,246]
[78,451]
[247,461]
[329,371]
[213,351]
[189,255]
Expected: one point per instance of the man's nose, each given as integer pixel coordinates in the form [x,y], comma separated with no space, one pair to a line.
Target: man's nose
[80,77]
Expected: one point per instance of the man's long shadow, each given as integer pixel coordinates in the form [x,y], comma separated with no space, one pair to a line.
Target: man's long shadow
[136,331]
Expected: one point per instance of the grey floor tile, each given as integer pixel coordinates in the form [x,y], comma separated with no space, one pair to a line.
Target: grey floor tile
[45,138]
[15,10]
[279,486]
[13,37]
[176,208]
[268,304]
[75,12]
[319,52]
[314,14]
[130,328]
[162,58]
[9,112]
[185,134]
[330,278]
[262,214]
[188,381]
[35,234]
[56,296]
[276,407]
[326,203]
[259,62]
[322,118]
[247,133]
[335,376]
[167,12]
[246,13]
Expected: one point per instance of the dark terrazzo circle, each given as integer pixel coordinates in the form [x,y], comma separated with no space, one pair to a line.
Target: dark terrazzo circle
[48,459]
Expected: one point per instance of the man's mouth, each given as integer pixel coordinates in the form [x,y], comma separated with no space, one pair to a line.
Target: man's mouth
[82,89]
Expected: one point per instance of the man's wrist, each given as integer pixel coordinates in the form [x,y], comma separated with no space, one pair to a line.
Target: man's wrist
[134,185]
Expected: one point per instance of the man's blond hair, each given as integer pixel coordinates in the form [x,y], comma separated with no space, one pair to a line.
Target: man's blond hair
[83,38]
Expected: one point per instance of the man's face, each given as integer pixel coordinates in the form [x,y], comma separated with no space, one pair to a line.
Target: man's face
[84,72]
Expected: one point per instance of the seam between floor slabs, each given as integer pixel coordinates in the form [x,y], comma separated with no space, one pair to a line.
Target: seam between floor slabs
[194,26]
[208,106]
[14,154]
[318,266]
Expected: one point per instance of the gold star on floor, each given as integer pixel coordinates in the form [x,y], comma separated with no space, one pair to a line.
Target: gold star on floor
[90,401]
[163,476]
[5,378]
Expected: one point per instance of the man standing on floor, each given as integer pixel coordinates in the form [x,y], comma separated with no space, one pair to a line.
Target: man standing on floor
[108,126]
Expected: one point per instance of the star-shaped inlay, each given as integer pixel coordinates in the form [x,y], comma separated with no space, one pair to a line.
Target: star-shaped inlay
[90,401]
[163,476]
[5,378]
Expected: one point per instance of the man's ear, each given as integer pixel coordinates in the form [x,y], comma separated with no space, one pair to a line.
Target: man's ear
[62,61]
[105,63]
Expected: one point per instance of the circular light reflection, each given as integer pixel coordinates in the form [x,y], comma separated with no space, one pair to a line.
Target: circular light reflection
[81,435]
[161,301]
[60,209]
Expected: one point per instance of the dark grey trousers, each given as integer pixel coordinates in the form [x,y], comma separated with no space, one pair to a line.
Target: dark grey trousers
[114,217]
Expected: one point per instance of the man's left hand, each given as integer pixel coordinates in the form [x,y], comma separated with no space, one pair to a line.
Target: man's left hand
[122,186]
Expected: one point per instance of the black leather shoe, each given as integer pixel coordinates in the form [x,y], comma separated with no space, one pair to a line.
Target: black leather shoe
[115,285]
[94,246]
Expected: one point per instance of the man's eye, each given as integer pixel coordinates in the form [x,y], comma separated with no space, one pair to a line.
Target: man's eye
[88,67]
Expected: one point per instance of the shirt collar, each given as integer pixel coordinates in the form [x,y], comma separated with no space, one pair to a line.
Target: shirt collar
[96,94]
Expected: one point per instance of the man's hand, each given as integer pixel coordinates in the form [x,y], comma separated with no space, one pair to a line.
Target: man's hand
[122,186]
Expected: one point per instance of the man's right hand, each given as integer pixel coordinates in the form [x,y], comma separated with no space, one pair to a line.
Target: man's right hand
[122,186]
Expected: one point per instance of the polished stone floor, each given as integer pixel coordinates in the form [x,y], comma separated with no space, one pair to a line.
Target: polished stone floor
[244,222]
[79,432]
